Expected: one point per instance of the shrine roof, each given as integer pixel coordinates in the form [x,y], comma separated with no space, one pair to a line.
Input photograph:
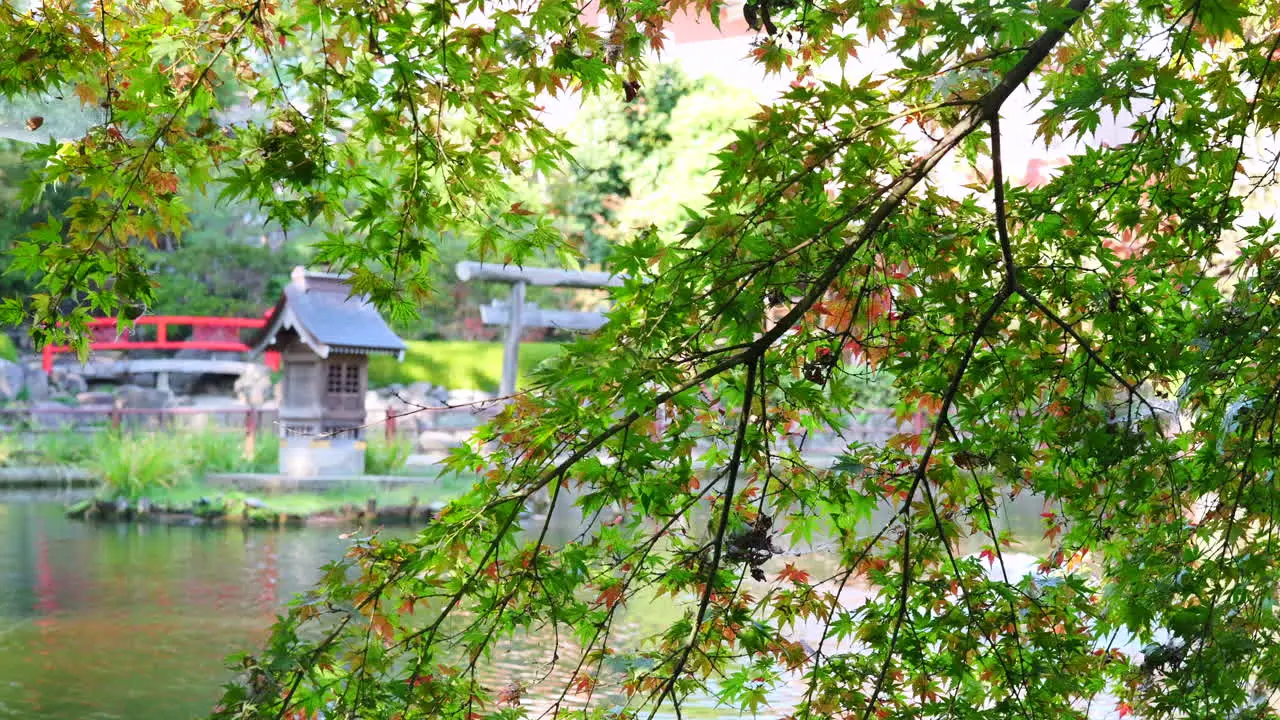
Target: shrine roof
[321,309]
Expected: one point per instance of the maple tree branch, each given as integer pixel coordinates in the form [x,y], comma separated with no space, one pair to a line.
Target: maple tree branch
[895,194]
[717,547]
[1002,220]
[983,111]
[953,388]
[249,14]
[1084,345]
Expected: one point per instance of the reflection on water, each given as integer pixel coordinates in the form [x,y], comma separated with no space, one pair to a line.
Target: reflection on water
[133,622]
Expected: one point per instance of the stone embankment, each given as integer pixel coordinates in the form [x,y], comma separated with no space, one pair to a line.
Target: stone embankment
[248,511]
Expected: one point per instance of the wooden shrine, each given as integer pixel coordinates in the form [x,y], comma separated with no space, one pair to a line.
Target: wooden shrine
[324,335]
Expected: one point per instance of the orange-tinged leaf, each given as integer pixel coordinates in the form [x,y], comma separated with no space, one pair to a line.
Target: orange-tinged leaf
[792,574]
[87,94]
[584,684]
[381,626]
[164,183]
[337,51]
[610,596]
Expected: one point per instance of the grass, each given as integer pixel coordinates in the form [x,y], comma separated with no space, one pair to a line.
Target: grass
[65,448]
[173,458]
[11,450]
[457,365]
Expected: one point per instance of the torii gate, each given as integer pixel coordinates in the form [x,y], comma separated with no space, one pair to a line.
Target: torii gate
[517,315]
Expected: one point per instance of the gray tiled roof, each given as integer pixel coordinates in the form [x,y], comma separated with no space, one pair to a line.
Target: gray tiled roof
[318,307]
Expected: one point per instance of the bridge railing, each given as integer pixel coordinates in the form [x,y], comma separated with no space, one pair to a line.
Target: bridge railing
[214,334]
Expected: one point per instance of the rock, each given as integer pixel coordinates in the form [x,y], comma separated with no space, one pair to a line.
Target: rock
[424,393]
[254,386]
[377,406]
[143,379]
[437,440]
[12,380]
[457,419]
[466,397]
[49,414]
[95,399]
[69,383]
[191,383]
[375,403]
[36,382]
[217,411]
[133,396]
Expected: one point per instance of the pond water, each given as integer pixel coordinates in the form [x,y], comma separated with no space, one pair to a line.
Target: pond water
[133,622]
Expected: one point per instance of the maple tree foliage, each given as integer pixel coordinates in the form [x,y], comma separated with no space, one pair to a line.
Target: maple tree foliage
[1103,340]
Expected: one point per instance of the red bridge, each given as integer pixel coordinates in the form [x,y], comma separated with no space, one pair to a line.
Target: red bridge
[216,334]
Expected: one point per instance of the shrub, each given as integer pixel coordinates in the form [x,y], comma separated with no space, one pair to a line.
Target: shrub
[10,450]
[386,458]
[223,451]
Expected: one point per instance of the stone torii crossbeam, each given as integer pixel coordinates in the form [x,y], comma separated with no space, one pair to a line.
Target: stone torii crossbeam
[516,315]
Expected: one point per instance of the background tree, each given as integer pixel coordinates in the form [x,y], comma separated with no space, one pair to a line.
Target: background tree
[638,164]
[1040,328]
[227,262]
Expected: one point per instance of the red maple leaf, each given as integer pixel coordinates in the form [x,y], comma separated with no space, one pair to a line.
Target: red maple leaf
[791,573]
[610,596]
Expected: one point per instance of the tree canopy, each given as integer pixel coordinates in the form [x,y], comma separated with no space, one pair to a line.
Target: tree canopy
[639,164]
[1103,340]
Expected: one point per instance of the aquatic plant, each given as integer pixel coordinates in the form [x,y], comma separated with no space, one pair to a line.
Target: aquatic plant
[131,465]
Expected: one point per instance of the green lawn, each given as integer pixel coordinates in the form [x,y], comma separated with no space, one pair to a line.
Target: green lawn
[457,365]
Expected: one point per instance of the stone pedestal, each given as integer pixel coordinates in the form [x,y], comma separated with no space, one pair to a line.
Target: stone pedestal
[306,457]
